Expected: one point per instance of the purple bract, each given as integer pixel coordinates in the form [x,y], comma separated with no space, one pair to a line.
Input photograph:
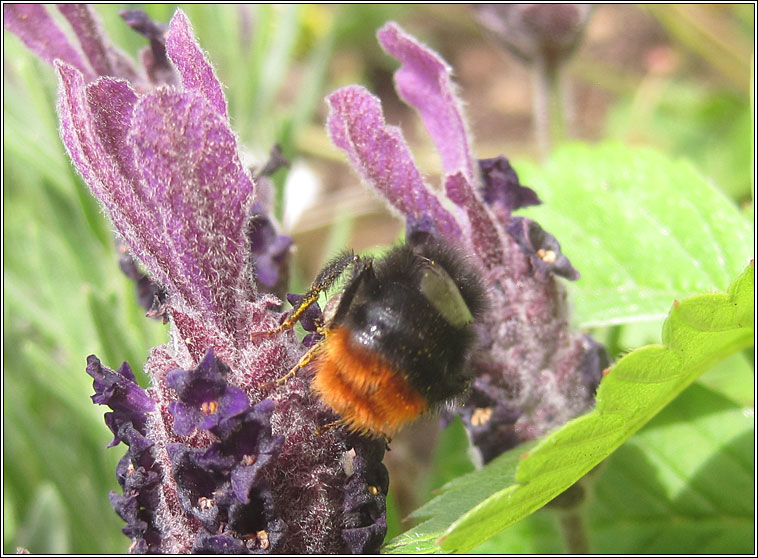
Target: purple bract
[219,459]
[531,373]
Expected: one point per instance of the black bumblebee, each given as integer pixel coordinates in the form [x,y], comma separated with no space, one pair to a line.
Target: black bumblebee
[397,337]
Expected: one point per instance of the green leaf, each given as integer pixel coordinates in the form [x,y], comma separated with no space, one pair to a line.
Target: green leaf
[698,332]
[455,499]
[684,484]
[733,378]
[673,233]
[538,534]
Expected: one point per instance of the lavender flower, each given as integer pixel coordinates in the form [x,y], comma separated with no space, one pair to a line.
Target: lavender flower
[531,373]
[218,461]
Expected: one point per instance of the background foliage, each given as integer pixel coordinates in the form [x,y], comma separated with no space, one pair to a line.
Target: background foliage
[655,205]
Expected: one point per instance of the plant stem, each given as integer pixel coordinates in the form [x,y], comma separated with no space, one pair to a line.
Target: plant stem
[549,106]
[572,529]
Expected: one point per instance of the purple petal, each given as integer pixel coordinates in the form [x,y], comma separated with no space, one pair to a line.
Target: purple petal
[41,34]
[142,24]
[194,480]
[423,81]
[104,58]
[112,105]
[382,158]
[484,233]
[265,270]
[154,59]
[186,54]
[270,250]
[543,249]
[249,433]
[364,504]
[127,508]
[119,390]
[209,421]
[215,460]
[205,383]
[501,188]
[199,193]
[106,166]
[233,402]
[243,478]
[185,417]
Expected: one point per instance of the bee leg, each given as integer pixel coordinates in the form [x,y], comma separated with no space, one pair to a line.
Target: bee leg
[330,426]
[304,361]
[325,279]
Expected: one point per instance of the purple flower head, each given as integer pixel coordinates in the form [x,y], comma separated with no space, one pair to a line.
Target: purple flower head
[219,459]
[547,32]
[531,373]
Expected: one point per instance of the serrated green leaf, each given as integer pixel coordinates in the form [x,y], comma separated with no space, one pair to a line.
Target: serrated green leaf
[673,233]
[635,390]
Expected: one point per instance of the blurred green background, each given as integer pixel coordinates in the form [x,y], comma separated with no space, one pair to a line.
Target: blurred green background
[678,78]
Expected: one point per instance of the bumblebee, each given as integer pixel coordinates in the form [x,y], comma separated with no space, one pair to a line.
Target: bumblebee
[397,337]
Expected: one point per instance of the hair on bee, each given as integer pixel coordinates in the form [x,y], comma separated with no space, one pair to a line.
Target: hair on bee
[398,336]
